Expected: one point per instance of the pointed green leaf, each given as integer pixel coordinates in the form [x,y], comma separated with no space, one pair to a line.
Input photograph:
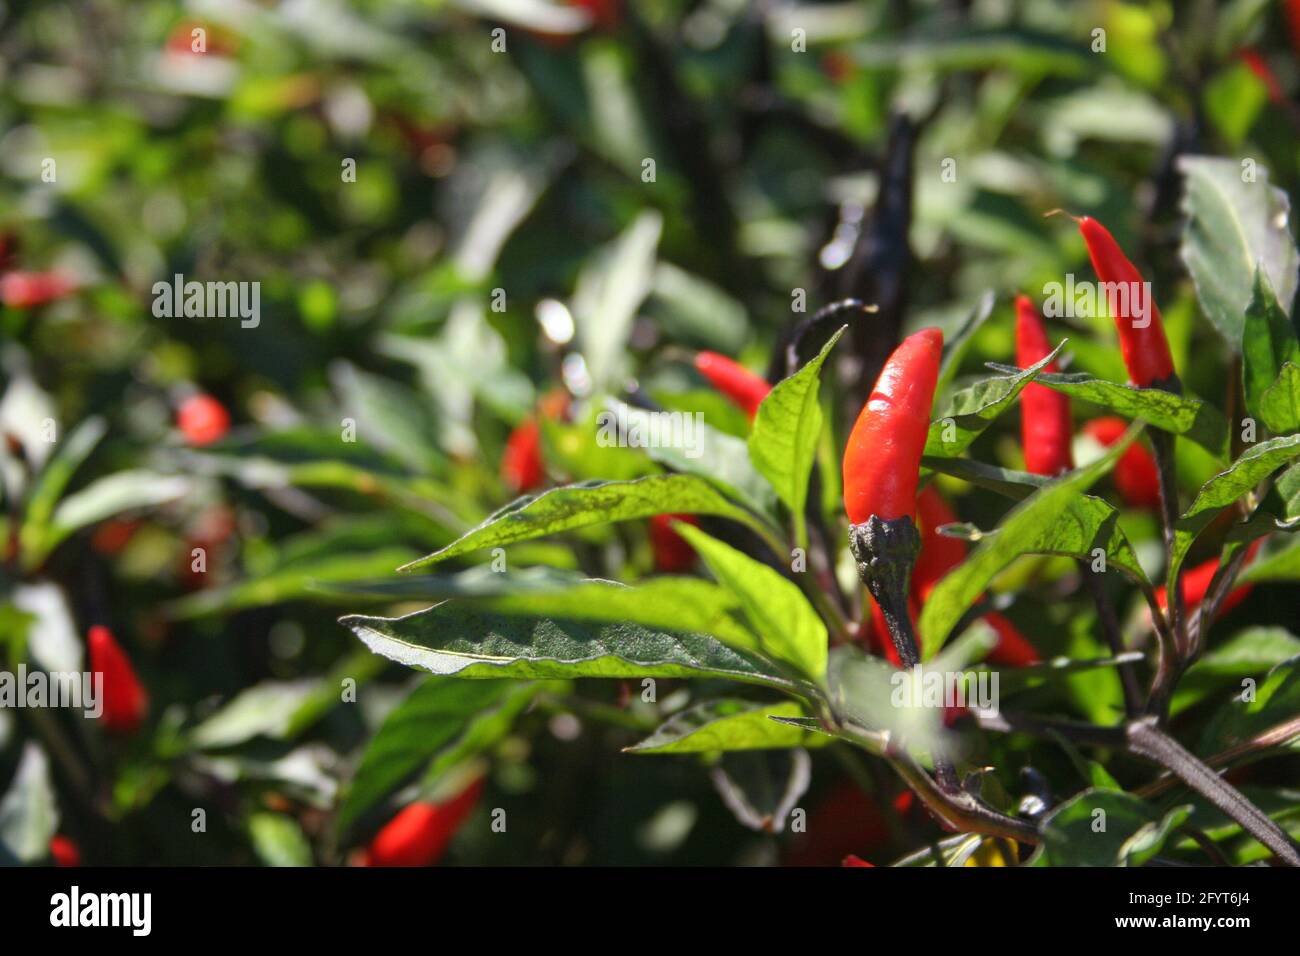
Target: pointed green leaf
[1255,464]
[1184,415]
[1233,228]
[975,407]
[1279,403]
[724,725]
[1268,342]
[787,627]
[783,440]
[455,640]
[1056,519]
[1105,828]
[588,503]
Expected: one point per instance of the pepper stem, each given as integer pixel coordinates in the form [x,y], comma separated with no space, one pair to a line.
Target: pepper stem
[885,551]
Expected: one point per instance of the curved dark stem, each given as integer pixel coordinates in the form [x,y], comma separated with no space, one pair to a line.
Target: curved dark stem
[1110,627]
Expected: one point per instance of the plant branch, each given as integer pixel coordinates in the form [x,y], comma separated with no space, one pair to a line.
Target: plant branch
[1146,739]
[1110,627]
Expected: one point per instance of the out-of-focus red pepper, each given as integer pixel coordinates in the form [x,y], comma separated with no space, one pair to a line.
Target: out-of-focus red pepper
[853,860]
[882,460]
[1135,475]
[1141,330]
[1293,20]
[420,833]
[522,468]
[848,819]
[26,290]
[1013,648]
[1045,425]
[64,851]
[671,551]
[746,389]
[125,701]
[1196,582]
[202,419]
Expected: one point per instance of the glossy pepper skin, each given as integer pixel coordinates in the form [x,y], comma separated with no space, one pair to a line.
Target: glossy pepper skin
[882,460]
[1142,339]
[1045,426]
[1135,475]
[671,551]
[746,389]
[420,833]
[202,419]
[125,701]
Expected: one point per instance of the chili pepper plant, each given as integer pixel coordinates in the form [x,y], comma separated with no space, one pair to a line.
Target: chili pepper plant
[856,434]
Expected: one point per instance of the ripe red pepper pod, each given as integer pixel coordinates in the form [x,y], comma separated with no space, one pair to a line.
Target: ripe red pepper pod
[746,389]
[1142,339]
[419,834]
[64,851]
[671,551]
[1196,582]
[26,290]
[202,419]
[1136,475]
[1045,425]
[882,461]
[882,465]
[125,701]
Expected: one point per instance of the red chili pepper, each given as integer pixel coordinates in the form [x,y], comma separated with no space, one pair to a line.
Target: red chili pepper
[420,833]
[522,468]
[939,552]
[125,701]
[202,419]
[1142,339]
[882,461]
[1293,19]
[746,389]
[1135,475]
[1196,582]
[1045,426]
[65,851]
[1013,648]
[26,290]
[852,860]
[671,551]
[847,817]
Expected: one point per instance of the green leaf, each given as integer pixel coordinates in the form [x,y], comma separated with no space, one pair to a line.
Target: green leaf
[783,441]
[1255,464]
[263,710]
[723,725]
[278,840]
[715,456]
[1011,484]
[1252,651]
[974,408]
[1105,828]
[110,495]
[1233,229]
[441,716]
[1180,414]
[302,581]
[1268,343]
[29,812]
[58,471]
[788,628]
[609,292]
[672,603]
[1279,404]
[588,503]
[1023,51]
[1254,707]
[451,639]
[1056,519]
